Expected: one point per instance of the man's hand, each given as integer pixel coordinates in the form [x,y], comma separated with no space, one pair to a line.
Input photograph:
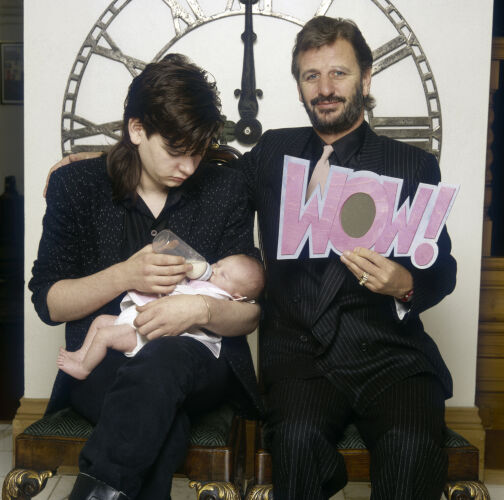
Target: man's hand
[170,315]
[383,275]
[69,159]
[150,272]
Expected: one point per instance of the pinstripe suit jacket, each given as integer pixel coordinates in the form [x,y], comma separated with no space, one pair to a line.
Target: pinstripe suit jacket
[336,327]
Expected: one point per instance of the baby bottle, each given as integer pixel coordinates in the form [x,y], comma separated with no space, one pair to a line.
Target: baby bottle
[169,243]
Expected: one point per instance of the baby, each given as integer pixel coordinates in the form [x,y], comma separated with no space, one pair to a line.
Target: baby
[237,277]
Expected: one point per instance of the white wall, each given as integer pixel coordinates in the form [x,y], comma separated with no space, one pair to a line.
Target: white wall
[454,35]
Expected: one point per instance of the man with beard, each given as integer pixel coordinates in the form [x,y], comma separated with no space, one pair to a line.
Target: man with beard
[341,339]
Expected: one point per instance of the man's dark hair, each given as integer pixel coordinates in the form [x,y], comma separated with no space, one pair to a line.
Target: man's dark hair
[172,98]
[323,30]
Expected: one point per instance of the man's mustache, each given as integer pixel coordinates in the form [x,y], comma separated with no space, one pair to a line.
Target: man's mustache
[327,99]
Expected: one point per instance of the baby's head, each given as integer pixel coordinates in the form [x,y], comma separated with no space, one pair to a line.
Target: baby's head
[239,275]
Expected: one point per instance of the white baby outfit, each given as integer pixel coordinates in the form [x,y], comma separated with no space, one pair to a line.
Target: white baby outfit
[191,287]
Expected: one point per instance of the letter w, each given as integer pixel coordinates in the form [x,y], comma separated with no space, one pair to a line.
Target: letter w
[312,221]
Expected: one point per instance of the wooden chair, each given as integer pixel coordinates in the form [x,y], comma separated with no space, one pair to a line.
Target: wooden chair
[463,461]
[214,463]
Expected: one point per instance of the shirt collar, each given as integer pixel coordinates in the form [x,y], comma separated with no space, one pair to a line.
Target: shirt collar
[135,202]
[347,146]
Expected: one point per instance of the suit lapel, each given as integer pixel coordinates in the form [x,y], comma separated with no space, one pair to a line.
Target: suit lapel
[371,155]
[295,144]
[331,282]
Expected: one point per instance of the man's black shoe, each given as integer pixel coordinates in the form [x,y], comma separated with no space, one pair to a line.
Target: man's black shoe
[88,488]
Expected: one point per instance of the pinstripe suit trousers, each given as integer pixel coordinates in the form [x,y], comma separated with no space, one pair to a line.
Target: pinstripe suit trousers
[403,429]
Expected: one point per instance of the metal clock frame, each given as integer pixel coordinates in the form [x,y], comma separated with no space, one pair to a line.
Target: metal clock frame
[423,131]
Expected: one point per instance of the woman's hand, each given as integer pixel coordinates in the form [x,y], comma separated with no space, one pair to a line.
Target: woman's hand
[177,314]
[170,316]
[155,273]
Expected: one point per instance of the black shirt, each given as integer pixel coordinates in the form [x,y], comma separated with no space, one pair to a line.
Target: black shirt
[140,225]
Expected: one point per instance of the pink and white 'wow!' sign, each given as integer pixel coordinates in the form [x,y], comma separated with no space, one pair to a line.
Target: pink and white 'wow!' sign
[360,208]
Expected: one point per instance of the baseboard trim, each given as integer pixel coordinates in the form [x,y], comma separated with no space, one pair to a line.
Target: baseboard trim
[29,411]
[465,420]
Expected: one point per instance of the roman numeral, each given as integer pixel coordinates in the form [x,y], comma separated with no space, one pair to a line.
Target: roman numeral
[391,52]
[323,8]
[89,129]
[183,17]
[267,7]
[414,130]
[113,52]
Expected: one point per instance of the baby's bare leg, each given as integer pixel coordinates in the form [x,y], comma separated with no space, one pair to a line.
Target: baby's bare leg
[101,321]
[120,337]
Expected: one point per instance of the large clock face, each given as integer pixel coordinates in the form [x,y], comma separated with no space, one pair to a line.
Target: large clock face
[131,33]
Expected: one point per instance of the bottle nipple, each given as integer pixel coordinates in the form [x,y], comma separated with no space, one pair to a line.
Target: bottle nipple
[201,270]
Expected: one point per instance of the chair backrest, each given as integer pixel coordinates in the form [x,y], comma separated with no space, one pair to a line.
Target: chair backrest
[221,154]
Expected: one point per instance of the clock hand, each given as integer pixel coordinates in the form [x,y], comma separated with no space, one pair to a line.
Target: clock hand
[248,129]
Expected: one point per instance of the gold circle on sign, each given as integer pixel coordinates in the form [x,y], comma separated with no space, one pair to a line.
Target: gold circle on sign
[357,215]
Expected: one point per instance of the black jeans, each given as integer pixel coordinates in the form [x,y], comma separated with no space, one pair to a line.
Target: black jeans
[141,407]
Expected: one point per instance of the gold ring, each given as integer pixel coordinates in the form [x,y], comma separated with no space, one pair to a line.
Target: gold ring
[363,278]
